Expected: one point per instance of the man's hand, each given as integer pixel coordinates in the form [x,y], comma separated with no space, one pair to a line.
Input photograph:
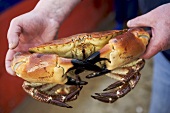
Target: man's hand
[159,21]
[28,30]
[36,27]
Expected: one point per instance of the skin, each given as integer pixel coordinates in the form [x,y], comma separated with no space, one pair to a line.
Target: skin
[159,21]
[36,27]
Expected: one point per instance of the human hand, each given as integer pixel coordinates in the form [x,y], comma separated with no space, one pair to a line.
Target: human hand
[159,21]
[36,27]
[28,30]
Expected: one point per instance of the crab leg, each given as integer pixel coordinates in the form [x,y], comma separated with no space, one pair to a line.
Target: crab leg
[62,104]
[57,95]
[114,85]
[43,97]
[111,97]
[127,76]
[104,99]
[96,74]
[74,93]
[119,90]
[72,81]
[123,80]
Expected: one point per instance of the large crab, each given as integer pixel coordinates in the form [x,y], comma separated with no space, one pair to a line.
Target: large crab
[51,70]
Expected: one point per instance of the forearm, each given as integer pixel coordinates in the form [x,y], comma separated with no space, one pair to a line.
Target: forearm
[57,10]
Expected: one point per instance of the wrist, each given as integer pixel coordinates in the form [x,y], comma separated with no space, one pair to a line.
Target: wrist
[56,10]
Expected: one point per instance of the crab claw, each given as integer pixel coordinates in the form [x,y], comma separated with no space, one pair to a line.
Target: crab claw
[95,57]
[80,64]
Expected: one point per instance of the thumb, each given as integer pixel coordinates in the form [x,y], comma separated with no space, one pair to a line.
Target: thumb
[13,33]
[8,59]
[140,21]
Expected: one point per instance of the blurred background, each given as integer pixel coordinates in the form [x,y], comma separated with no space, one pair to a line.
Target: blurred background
[88,16]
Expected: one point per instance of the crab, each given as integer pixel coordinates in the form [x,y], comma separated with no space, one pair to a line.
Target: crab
[51,70]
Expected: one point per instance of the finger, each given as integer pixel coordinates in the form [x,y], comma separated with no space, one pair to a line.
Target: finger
[8,59]
[13,33]
[140,21]
[152,49]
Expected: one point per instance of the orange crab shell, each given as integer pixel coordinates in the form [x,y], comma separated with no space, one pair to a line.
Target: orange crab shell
[125,48]
[73,46]
[41,67]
